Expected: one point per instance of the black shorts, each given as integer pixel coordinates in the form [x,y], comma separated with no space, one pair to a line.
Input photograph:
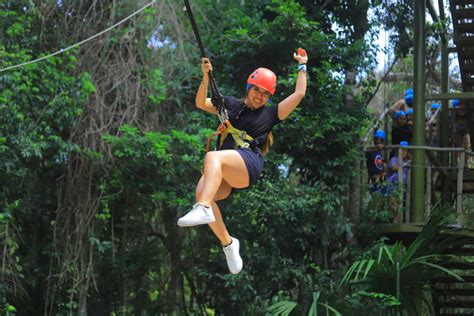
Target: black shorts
[254,163]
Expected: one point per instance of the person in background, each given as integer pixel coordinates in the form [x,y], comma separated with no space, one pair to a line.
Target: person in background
[460,127]
[434,108]
[400,130]
[403,104]
[376,165]
[393,166]
[409,115]
[431,126]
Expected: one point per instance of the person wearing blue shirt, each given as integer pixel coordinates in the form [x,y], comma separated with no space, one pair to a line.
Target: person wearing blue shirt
[376,164]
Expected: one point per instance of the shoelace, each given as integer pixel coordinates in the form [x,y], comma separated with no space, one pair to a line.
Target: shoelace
[195,204]
[203,206]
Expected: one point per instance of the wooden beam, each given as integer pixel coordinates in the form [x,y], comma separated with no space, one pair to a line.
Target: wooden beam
[462,2]
[466,28]
[428,148]
[450,96]
[462,13]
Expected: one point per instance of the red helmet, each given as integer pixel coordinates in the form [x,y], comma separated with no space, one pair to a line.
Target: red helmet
[263,78]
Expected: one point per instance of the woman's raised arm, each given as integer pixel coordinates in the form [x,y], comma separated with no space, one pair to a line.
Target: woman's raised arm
[289,104]
[201,100]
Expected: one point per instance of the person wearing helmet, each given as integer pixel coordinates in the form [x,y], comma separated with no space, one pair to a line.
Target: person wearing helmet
[403,104]
[401,118]
[379,137]
[455,103]
[434,108]
[431,125]
[229,167]
[393,165]
[400,130]
[376,163]
[409,101]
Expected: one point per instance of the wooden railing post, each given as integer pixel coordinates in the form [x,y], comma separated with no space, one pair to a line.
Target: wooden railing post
[462,157]
[408,194]
[428,192]
[400,184]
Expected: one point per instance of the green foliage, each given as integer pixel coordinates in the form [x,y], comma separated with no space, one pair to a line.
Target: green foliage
[148,173]
[284,308]
[141,175]
[158,95]
[11,267]
[39,107]
[398,17]
[87,85]
[370,303]
[402,272]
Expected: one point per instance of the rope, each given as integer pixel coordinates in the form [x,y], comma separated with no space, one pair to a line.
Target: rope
[195,28]
[62,50]
[216,98]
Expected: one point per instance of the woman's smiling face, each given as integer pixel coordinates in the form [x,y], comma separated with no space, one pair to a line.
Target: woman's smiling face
[257,97]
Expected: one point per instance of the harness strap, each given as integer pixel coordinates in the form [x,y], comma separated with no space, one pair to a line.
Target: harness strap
[241,138]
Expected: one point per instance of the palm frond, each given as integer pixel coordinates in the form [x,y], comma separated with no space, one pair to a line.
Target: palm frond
[283,308]
[442,269]
[330,308]
[349,272]
[313,310]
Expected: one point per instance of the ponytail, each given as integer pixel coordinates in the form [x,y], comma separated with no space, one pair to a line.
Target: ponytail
[268,143]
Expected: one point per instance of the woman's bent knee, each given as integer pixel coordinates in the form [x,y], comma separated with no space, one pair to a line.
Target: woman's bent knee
[212,157]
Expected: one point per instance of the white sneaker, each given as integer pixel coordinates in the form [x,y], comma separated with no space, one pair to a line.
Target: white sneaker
[199,215]
[232,256]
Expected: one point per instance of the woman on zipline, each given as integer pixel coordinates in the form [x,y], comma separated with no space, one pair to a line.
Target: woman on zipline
[239,168]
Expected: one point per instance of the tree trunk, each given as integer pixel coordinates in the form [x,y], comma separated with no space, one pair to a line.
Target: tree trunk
[173,244]
[353,211]
[359,21]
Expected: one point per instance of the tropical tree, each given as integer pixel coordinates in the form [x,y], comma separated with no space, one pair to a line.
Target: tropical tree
[101,147]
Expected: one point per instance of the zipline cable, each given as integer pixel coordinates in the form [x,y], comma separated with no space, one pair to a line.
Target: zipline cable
[216,98]
[81,42]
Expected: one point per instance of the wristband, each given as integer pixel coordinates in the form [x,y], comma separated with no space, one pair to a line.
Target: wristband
[302,67]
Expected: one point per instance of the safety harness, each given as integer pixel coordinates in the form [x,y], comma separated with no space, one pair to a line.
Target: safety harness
[241,138]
